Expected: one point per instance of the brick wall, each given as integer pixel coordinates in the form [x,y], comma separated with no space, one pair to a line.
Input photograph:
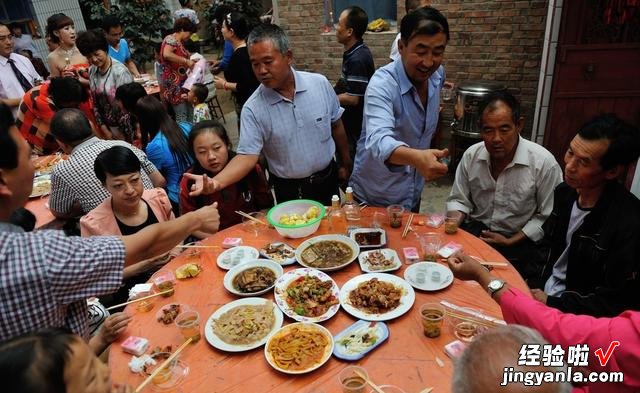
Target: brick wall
[499,40]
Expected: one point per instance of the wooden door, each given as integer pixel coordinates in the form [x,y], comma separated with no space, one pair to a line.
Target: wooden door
[597,68]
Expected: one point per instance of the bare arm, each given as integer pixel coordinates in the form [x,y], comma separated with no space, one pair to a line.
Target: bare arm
[131,65]
[157,179]
[53,67]
[11,101]
[348,100]
[168,54]
[236,169]
[162,237]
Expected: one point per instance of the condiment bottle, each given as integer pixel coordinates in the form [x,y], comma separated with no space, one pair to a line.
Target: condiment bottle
[337,218]
[351,209]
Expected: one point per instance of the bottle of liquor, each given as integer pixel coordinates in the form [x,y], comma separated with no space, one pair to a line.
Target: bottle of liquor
[351,210]
[337,218]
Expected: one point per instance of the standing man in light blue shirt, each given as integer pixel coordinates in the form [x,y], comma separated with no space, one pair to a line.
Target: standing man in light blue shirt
[118,46]
[293,118]
[401,108]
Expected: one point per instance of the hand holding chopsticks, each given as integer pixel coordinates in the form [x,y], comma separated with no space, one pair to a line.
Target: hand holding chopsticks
[140,299]
[163,365]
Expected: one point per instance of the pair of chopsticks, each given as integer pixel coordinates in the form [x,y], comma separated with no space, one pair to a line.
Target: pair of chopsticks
[140,299]
[363,205]
[477,321]
[378,388]
[163,365]
[196,246]
[407,226]
[243,214]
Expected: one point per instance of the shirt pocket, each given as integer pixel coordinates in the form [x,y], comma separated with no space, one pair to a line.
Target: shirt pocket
[321,126]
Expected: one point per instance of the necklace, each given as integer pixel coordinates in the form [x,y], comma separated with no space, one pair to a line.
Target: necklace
[68,53]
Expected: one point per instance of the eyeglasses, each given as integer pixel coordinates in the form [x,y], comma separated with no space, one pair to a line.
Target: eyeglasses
[6,37]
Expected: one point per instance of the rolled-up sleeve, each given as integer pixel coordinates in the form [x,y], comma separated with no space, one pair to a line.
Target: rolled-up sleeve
[459,198]
[550,177]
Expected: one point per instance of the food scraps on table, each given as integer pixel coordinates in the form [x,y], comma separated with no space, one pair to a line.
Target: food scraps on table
[188,270]
[169,313]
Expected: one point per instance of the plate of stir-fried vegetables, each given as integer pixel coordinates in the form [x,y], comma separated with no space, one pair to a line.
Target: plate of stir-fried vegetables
[307,295]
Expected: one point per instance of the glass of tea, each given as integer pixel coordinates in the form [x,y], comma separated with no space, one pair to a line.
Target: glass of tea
[351,379]
[188,323]
[432,316]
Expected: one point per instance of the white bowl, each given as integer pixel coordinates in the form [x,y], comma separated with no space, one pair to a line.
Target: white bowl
[266,263]
[298,206]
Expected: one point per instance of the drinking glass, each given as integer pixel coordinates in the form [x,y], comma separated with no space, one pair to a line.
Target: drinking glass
[254,227]
[351,380]
[188,323]
[432,316]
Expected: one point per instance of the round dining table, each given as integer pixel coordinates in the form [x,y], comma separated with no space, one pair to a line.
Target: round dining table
[407,359]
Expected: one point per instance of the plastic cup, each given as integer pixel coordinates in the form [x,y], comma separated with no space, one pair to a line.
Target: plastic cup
[350,380]
[394,212]
[377,219]
[388,389]
[432,316]
[452,221]
[430,243]
[188,323]
[254,227]
[446,93]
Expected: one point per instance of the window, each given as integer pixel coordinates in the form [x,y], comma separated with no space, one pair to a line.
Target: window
[20,12]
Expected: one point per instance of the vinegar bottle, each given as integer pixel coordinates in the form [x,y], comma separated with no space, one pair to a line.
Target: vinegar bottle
[337,218]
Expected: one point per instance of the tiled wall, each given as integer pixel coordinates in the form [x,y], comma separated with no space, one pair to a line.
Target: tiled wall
[46,8]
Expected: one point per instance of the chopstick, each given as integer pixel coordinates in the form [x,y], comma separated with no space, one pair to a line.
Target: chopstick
[471,319]
[243,214]
[370,382]
[196,246]
[163,365]
[406,227]
[140,299]
[495,264]
[427,390]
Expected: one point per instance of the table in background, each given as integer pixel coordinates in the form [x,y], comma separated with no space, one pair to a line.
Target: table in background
[39,206]
[406,359]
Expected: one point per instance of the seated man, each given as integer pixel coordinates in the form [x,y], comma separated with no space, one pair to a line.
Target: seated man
[47,276]
[594,229]
[504,184]
[75,189]
[40,104]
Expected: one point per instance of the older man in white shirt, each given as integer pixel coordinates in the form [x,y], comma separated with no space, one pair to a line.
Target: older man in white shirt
[17,75]
[504,185]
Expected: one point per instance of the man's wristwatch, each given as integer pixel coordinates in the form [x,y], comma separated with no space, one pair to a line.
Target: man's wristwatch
[494,286]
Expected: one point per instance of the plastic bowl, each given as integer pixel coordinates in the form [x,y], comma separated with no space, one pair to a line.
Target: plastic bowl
[298,206]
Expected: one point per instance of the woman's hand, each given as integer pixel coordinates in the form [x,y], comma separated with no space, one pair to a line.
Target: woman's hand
[219,82]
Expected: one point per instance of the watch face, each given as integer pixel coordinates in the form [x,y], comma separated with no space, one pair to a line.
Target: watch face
[495,285]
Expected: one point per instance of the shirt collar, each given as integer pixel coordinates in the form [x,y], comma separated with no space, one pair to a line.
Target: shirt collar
[520,157]
[4,60]
[9,227]
[88,142]
[273,97]
[354,48]
[435,80]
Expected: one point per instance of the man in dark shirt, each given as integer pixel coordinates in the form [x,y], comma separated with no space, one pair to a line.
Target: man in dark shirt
[357,69]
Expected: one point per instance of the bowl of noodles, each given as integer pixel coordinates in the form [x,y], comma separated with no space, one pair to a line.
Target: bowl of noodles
[299,348]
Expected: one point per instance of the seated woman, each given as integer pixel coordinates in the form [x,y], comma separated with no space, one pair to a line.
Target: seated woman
[211,147]
[129,209]
[53,360]
[168,147]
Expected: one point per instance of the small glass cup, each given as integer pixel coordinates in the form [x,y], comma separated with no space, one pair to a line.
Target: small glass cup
[350,380]
[432,316]
[430,243]
[189,324]
[388,389]
[395,215]
[452,221]
[446,93]
[377,219]
[254,227]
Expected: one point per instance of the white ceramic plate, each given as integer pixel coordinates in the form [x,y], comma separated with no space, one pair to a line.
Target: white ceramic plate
[280,294]
[355,249]
[235,256]
[41,186]
[388,254]
[406,301]
[277,258]
[228,278]
[306,326]
[428,276]
[383,237]
[216,342]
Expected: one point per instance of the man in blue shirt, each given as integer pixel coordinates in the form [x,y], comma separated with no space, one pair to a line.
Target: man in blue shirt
[118,46]
[401,108]
[357,69]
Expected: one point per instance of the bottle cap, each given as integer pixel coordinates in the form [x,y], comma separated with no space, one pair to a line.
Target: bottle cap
[349,190]
[335,198]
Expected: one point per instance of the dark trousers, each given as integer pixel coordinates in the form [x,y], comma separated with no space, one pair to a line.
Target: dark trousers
[525,256]
[320,186]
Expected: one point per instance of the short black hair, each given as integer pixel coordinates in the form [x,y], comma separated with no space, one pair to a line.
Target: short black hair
[425,20]
[8,146]
[115,161]
[129,94]
[35,362]
[239,23]
[70,126]
[200,91]
[67,90]
[489,104]
[109,21]
[56,22]
[357,20]
[624,139]
[184,24]
[92,40]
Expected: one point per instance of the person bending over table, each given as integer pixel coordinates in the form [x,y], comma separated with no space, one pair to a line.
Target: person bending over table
[127,97]
[293,118]
[564,329]
[504,185]
[48,275]
[402,103]
[210,145]
[53,360]
[129,209]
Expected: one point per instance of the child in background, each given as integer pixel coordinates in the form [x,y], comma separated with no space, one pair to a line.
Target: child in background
[197,97]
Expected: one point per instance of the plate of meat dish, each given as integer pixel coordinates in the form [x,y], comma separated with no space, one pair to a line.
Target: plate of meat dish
[369,237]
[327,252]
[376,296]
[252,278]
[307,295]
[281,253]
[299,348]
[383,260]
[243,325]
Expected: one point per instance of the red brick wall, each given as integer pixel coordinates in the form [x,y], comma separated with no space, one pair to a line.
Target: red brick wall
[497,40]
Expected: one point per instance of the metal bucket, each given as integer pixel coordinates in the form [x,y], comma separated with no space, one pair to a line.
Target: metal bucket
[469,96]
